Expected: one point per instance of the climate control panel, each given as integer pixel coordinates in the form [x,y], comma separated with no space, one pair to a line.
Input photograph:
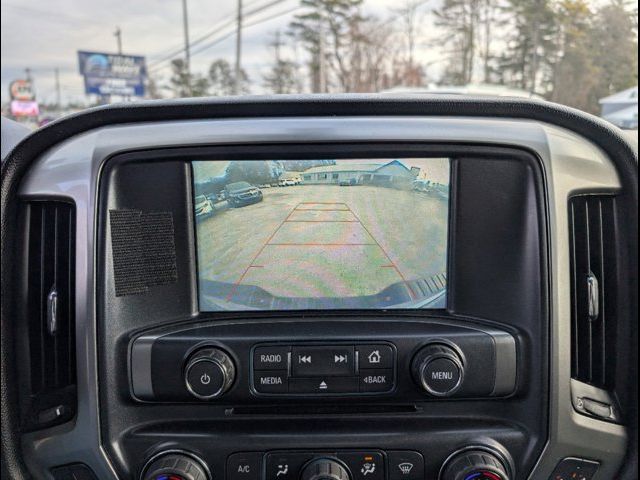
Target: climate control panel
[470,463]
[243,364]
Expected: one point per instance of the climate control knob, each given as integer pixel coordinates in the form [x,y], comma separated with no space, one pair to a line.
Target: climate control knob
[175,466]
[209,373]
[438,369]
[476,464]
[324,469]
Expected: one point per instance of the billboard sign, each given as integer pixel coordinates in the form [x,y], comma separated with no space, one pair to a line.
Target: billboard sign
[24,108]
[21,90]
[111,74]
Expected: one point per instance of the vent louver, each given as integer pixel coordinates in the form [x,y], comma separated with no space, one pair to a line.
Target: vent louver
[51,313]
[593,288]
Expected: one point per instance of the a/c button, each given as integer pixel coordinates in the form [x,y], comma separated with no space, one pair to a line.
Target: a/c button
[244,466]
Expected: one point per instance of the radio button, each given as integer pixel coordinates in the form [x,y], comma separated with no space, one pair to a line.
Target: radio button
[375,356]
[270,381]
[376,381]
[271,358]
[322,361]
[323,385]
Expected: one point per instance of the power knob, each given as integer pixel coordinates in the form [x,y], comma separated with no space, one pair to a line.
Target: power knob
[324,469]
[209,373]
[476,464]
[175,465]
[438,369]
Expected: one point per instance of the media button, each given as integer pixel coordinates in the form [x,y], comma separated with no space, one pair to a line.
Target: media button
[270,381]
[322,361]
[323,385]
[271,358]
[375,356]
[376,381]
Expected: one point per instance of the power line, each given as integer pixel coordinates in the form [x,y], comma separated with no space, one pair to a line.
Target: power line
[156,65]
[251,24]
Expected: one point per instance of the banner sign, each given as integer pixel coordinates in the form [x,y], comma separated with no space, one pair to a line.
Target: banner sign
[28,108]
[110,74]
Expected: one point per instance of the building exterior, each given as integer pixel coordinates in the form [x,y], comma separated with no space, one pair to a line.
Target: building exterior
[621,108]
[392,174]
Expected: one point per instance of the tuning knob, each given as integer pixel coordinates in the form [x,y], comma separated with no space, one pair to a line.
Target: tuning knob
[324,469]
[476,464]
[175,466]
[209,373]
[438,369]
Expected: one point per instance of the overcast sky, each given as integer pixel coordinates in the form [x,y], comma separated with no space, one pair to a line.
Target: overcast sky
[47,35]
[44,35]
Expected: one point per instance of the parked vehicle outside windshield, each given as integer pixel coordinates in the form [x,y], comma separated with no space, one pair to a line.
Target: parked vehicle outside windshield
[79,54]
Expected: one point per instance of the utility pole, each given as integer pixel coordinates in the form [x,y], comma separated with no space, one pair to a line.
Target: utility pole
[118,35]
[236,83]
[57,75]
[321,62]
[27,74]
[187,53]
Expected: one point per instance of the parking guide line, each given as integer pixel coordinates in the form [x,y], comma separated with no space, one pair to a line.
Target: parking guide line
[255,257]
[413,294]
[314,244]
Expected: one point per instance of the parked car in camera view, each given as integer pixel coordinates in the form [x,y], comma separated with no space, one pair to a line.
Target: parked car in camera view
[203,206]
[240,194]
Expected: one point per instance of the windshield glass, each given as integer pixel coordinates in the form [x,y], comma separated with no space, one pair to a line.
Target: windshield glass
[63,56]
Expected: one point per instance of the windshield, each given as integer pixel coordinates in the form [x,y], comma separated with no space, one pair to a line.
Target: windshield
[63,56]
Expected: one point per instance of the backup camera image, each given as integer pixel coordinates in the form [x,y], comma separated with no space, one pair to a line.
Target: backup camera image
[322,234]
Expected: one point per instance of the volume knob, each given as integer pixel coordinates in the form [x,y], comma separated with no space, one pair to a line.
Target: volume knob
[209,373]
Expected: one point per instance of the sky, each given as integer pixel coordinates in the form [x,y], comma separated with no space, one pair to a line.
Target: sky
[44,36]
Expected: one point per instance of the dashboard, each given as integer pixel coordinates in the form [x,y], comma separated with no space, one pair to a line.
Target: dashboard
[323,290]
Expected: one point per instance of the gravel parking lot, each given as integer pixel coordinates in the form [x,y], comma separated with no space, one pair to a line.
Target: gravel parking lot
[323,241]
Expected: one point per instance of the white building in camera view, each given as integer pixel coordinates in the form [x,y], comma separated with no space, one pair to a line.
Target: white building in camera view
[394,173]
[621,108]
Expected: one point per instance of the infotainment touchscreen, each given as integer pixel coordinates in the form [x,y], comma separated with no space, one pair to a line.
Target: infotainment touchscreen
[322,234]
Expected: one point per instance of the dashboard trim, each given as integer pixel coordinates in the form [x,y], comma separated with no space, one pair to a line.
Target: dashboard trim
[569,162]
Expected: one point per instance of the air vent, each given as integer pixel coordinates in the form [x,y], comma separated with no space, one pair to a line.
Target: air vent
[593,288]
[50,313]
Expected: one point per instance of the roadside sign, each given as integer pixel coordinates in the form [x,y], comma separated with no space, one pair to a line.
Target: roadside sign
[21,90]
[111,74]
[28,108]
